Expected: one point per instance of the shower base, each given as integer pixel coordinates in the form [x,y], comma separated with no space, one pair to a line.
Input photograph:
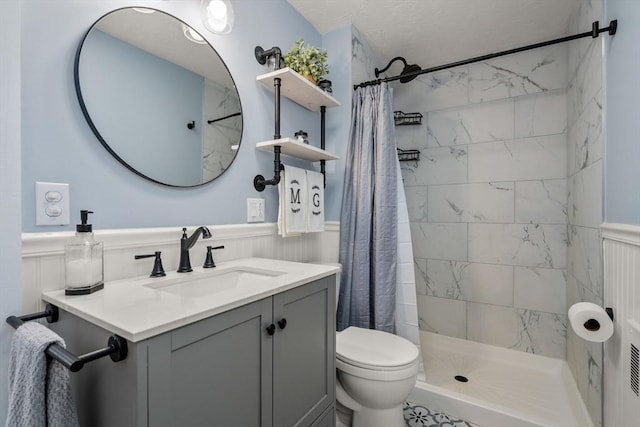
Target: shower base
[497,387]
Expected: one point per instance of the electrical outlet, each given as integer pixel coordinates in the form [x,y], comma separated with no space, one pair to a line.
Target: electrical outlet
[255,210]
[52,203]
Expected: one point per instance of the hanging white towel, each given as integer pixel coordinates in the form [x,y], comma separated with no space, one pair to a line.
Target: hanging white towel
[282,203]
[292,206]
[39,391]
[315,211]
[295,207]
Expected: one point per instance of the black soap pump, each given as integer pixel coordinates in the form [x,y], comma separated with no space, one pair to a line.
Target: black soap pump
[83,260]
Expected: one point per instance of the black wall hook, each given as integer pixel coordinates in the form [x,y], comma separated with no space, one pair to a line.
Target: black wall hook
[191,124]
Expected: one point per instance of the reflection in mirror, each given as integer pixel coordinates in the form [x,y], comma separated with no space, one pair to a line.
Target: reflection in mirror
[158,97]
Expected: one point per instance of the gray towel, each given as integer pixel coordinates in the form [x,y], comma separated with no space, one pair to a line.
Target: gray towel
[39,390]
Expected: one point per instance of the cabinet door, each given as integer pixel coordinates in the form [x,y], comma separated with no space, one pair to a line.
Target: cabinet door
[216,372]
[303,353]
[328,419]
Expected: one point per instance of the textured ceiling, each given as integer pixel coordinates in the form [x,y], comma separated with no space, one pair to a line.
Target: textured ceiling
[436,32]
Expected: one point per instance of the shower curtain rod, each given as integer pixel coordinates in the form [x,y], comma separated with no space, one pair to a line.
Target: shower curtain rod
[594,33]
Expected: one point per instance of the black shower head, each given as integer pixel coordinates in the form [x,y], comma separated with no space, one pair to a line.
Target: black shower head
[408,69]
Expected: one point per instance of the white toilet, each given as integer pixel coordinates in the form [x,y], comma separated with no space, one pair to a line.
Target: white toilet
[375,372]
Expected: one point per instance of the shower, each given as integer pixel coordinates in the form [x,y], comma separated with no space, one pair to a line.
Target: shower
[495,271]
[409,72]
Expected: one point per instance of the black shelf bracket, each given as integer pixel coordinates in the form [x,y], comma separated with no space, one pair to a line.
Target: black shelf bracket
[262,56]
[260,183]
[323,111]
[116,345]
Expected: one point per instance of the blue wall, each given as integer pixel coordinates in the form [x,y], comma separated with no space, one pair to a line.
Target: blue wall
[10,244]
[622,114]
[338,43]
[141,105]
[58,146]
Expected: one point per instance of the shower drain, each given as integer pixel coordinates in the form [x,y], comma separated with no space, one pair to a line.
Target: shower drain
[461,378]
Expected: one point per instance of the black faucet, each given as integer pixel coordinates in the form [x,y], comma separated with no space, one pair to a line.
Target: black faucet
[187,243]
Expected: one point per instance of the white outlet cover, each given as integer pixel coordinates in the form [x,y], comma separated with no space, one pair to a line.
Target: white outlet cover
[52,203]
[255,210]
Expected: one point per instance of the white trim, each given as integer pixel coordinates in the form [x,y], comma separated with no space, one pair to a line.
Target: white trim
[333,226]
[624,233]
[46,244]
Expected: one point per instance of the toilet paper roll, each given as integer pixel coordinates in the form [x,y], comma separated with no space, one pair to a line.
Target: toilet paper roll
[590,322]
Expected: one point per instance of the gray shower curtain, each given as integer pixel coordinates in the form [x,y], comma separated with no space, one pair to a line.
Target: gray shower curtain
[368,222]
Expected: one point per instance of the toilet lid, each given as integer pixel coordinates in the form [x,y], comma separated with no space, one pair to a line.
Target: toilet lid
[374,349]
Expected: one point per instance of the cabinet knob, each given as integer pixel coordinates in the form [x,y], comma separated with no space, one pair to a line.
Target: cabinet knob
[282,323]
[271,329]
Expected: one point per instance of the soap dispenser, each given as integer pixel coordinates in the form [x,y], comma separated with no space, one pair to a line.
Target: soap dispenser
[83,261]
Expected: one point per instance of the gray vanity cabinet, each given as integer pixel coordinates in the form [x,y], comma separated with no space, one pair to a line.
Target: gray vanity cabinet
[213,373]
[225,371]
[304,353]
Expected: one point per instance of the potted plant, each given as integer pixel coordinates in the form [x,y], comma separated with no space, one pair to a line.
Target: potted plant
[309,61]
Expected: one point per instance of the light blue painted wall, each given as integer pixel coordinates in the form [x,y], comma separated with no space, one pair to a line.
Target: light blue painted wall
[338,43]
[10,243]
[622,108]
[58,146]
[141,104]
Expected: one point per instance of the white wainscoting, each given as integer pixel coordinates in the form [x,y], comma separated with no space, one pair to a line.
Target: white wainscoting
[622,293]
[43,253]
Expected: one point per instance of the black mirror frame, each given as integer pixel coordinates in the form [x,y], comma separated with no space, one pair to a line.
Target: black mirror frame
[94,129]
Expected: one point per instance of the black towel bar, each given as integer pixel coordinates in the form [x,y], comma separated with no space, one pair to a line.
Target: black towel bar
[116,346]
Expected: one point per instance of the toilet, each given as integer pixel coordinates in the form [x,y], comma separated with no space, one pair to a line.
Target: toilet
[375,372]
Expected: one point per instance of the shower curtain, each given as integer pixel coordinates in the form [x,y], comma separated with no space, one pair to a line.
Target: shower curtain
[368,222]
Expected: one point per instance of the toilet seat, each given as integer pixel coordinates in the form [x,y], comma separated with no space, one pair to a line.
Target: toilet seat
[375,355]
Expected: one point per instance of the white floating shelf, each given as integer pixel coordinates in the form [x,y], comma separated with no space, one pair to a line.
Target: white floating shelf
[298,89]
[292,147]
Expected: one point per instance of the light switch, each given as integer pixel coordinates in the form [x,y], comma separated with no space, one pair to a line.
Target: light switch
[255,210]
[52,203]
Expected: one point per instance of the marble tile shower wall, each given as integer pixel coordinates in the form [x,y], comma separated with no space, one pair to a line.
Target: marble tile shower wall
[488,200]
[584,254]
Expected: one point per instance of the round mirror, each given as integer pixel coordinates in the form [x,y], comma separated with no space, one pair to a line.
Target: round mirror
[158,97]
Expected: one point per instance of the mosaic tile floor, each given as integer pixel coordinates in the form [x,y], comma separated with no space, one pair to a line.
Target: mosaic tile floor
[419,416]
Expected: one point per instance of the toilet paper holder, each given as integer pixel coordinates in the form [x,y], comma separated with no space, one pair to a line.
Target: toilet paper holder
[593,325]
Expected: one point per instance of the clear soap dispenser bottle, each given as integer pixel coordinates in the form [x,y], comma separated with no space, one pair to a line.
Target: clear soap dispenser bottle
[83,261]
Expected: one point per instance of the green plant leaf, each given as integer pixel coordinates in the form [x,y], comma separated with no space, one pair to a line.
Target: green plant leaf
[307,60]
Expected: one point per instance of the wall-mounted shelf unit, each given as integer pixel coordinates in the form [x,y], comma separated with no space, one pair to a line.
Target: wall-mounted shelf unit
[286,82]
[292,147]
[298,89]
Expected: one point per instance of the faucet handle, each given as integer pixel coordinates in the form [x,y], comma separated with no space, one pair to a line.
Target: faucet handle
[208,262]
[158,270]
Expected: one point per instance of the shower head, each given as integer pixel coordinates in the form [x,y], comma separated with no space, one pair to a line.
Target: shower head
[408,69]
[413,68]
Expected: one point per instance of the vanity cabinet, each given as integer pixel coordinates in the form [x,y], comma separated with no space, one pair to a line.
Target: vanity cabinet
[270,363]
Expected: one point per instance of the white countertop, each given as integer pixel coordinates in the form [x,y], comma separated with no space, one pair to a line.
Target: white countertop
[140,308]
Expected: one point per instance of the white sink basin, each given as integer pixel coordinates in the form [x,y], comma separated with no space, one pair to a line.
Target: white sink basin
[203,283]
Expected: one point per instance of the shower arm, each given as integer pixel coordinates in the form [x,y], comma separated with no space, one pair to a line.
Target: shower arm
[594,33]
[378,72]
